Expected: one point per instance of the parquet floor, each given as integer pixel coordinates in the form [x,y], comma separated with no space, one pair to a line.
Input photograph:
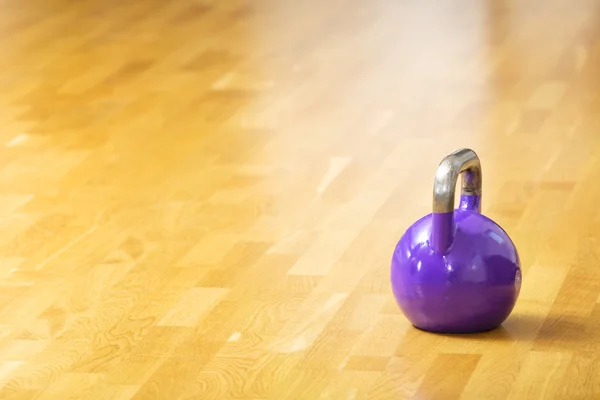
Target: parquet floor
[200,199]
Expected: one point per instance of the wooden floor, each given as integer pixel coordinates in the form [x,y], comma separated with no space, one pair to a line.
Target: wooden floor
[200,199]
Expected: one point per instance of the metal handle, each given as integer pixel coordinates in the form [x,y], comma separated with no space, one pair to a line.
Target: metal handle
[463,162]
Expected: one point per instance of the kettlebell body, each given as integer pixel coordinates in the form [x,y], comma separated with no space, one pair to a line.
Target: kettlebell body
[456,270]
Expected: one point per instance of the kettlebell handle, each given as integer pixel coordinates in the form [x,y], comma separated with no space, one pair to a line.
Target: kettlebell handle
[463,162]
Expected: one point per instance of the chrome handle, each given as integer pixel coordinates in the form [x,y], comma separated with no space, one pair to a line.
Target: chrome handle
[464,162]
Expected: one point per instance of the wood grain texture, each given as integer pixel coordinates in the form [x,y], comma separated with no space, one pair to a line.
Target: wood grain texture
[199,199]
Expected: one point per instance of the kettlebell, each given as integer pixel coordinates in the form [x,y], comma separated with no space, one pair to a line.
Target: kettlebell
[456,270]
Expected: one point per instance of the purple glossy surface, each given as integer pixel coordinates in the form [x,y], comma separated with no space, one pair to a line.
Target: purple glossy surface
[472,203]
[471,287]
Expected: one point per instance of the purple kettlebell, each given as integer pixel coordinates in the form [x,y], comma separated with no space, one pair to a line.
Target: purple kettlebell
[456,271]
